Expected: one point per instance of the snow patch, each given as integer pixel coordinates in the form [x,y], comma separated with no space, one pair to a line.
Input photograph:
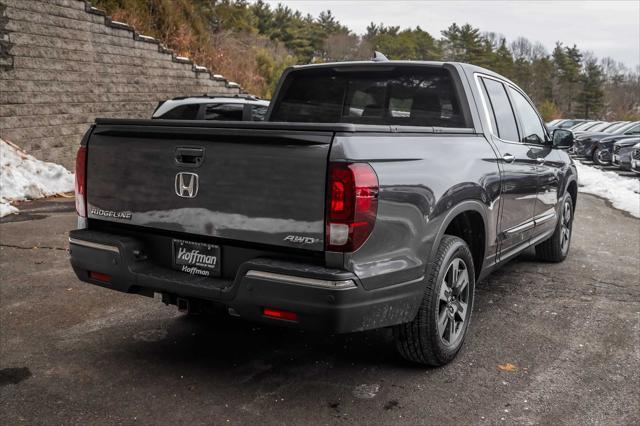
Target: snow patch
[623,192]
[23,177]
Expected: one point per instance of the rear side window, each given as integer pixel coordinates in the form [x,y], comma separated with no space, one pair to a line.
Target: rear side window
[399,95]
[504,117]
[182,112]
[223,112]
[532,129]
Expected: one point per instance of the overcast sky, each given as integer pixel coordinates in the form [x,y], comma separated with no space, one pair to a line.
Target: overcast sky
[607,28]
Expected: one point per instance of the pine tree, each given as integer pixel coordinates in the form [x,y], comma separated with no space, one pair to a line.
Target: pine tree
[591,96]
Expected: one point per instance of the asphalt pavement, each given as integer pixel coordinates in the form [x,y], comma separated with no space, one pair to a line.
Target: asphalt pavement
[548,343]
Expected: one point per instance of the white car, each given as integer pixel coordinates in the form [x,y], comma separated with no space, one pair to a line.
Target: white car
[219,108]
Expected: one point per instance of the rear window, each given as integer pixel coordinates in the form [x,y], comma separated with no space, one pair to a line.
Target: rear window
[401,96]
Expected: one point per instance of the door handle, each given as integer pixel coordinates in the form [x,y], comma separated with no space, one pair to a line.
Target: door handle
[540,160]
[508,158]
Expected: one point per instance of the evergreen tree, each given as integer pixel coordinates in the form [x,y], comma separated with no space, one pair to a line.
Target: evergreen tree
[591,96]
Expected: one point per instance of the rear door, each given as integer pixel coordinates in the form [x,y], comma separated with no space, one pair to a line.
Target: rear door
[518,167]
[247,184]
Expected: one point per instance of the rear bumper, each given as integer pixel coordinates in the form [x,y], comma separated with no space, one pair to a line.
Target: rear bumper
[310,291]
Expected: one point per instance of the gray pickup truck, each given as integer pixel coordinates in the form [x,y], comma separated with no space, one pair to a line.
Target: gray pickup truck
[376,194]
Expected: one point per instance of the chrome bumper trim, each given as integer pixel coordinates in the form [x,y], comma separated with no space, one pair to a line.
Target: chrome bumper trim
[94,245]
[309,282]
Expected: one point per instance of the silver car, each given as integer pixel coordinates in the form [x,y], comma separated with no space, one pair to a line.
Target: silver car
[621,154]
[218,108]
[635,158]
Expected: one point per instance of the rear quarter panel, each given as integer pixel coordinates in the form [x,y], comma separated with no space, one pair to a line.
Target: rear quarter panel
[422,178]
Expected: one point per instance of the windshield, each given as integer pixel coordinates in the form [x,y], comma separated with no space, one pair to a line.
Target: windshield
[582,126]
[612,127]
[596,127]
[409,96]
[626,126]
[567,124]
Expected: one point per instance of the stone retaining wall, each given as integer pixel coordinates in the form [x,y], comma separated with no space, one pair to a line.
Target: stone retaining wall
[63,63]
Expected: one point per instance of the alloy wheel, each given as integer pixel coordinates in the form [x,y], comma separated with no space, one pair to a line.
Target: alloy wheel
[565,230]
[453,302]
[603,156]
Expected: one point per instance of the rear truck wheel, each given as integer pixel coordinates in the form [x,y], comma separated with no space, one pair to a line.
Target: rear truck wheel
[436,334]
[556,248]
[601,157]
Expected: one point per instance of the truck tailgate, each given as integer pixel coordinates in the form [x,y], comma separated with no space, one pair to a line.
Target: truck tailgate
[245,183]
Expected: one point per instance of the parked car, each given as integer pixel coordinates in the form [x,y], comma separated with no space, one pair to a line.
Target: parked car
[621,155]
[585,143]
[635,158]
[580,127]
[563,123]
[603,147]
[603,126]
[218,108]
[375,194]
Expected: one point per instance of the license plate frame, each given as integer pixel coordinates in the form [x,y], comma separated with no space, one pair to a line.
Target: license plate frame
[196,258]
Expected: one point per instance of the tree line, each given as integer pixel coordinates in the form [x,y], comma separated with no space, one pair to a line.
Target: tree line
[252,43]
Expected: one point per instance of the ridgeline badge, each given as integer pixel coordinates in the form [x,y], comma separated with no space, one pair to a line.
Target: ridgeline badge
[110,213]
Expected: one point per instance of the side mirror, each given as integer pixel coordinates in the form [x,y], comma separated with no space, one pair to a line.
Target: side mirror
[562,138]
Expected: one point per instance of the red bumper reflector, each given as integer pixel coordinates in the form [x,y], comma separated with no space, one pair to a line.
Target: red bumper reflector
[276,313]
[99,276]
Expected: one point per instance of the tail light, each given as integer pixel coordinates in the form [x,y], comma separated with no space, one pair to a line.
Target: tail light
[352,204]
[81,181]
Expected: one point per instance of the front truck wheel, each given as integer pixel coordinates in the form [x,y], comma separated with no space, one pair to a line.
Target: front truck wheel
[556,248]
[436,334]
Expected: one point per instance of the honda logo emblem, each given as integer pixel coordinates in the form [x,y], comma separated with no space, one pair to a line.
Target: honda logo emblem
[186,185]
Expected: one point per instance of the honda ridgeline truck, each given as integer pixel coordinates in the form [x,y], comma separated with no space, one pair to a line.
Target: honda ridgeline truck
[375,194]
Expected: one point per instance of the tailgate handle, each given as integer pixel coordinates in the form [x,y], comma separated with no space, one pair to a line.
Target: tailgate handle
[189,156]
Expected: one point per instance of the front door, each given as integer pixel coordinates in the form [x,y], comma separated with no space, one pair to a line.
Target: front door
[533,134]
[518,170]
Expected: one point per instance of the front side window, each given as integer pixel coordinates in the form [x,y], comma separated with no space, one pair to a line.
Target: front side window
[422,96]
[532,129]
[505,120]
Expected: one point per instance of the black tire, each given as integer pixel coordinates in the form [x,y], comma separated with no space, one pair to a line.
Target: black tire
[423,340]
[556,248]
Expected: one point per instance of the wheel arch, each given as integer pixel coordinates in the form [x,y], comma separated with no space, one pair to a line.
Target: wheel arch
[462,219]
[572,189]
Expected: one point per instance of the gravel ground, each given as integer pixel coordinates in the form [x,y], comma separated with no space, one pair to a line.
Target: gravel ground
[549,343]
